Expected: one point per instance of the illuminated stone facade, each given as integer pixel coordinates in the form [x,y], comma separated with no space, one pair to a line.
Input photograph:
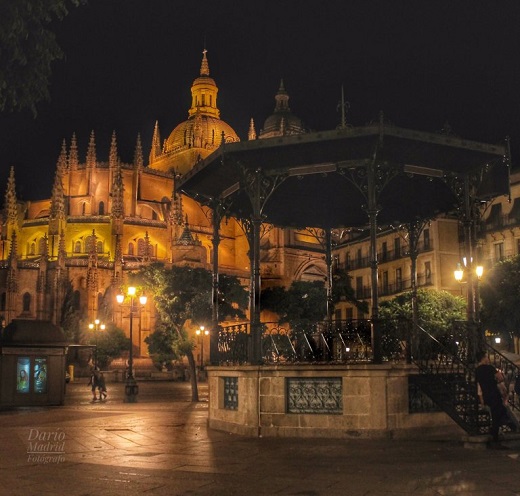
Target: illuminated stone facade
[107,218]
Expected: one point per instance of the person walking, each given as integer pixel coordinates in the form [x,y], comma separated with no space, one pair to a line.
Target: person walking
[102,386]
[488,378]
[94,382]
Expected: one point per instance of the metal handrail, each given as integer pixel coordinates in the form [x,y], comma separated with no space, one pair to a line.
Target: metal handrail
[510,371]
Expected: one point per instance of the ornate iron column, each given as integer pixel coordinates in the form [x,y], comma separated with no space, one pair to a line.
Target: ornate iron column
[328,261]
[213,336]
[413,231]
[372,211]
[259,188]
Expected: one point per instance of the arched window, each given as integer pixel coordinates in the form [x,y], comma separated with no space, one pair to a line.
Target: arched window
[32,249]
[83,208]
[130,248]
[26,299]
[101,209]
[100,246]
[77,247]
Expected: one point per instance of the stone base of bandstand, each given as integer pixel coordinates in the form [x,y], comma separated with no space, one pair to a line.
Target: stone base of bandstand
[371,401]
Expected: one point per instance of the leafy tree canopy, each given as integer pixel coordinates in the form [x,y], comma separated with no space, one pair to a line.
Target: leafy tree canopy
[28,48]
[184,294]
[500,294]
[109,344]
[302,301]
[342,290]
[438,310]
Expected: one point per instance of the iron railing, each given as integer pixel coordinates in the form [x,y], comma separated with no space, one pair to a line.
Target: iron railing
[338,341]
[447,374]
[445,363]
[510,370]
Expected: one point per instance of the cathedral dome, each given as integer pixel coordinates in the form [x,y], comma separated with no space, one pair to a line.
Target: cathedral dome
[204,129]
[199,131]
[282,122]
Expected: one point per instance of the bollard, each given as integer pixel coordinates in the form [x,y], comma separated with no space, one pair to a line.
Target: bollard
[131,390]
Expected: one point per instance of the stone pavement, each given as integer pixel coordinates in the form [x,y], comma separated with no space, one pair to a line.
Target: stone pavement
[160,446]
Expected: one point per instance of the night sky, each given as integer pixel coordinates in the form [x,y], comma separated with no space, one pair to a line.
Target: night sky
[132,62]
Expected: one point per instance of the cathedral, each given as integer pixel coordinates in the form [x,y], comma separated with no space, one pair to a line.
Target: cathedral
[105,219]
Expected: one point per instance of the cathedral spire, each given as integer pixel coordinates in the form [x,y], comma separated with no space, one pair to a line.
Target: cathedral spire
[117,211]
[61,249]
[176,210]
[204,66]
[282,99]
[91,152]
[186,238]
[112,155]
[57,210]
[73,153]
[251,135]
[155,151]
[14,249]
[11,208]
[62,164]
[204,92]
[138,153]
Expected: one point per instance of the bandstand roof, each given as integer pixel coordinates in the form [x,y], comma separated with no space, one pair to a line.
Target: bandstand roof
[321,177]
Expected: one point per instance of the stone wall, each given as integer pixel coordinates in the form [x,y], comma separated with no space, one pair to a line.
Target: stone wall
[336,401]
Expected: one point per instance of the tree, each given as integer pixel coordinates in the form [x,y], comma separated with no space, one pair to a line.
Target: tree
[183,295]
[342,290]
[28,48]
[306,301]
[438,313]
[303,301]
[500,292]
[109,344]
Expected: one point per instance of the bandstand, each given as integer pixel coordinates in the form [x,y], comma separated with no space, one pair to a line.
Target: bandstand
[357,177]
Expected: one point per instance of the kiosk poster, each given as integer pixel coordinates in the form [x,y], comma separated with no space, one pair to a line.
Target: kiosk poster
[22,374]
[40,375]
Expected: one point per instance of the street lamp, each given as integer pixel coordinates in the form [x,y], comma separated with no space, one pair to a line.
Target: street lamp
[131,387]
[474,305]
[201,332]
[459,274]
[95,327]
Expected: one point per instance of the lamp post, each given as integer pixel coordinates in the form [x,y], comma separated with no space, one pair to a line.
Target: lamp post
[459,274]
[131,387]
[201,332]
[95,326]
[473,303]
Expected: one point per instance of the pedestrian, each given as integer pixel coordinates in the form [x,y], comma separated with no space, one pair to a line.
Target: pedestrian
[488,379]
[93,382]
[102,386]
